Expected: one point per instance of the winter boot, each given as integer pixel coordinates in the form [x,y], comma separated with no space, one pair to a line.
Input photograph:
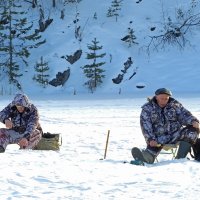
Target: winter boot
[2,150]
[183,150]
[143,156]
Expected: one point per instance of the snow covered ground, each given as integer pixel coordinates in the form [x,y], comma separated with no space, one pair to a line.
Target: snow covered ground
[76,171]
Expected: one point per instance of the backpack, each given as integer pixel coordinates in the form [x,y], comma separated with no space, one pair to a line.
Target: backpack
[196,150]
[49,141]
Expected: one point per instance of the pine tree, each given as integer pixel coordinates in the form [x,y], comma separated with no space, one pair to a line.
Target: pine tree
[114,9]
[16,40]
[93,71]
[41,77]
[131,39]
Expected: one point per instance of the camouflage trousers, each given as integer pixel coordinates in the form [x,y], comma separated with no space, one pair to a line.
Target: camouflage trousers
[188,134]
[9,136]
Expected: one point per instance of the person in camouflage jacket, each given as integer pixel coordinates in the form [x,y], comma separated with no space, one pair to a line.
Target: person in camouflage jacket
[164,120]
[21,119]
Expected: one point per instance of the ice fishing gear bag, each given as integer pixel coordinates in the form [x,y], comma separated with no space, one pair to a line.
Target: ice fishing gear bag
[196,150]
[49,141]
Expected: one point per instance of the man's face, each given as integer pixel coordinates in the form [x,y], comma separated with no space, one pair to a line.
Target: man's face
[20,109]
[162,100]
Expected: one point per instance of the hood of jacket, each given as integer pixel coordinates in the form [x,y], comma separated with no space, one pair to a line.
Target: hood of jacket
[21,100]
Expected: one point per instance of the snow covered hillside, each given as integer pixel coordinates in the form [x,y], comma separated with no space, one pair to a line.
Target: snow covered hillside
[157,61]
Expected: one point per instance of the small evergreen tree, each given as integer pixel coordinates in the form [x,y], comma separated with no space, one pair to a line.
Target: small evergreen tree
[41,68]
[95,16]
[16,40]
[114,9]
[131,38]
[93,71]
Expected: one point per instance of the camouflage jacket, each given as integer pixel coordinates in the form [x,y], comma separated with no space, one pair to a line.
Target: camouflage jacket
[25,122]
[160,124]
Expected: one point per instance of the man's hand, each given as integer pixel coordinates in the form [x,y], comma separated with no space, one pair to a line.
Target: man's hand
[153,143]
[23,143]
[8,123]
[195,124]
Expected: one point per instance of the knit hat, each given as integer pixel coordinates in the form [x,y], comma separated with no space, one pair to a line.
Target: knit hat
[163,91]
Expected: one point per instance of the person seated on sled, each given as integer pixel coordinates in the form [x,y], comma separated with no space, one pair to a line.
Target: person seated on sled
[21,120]
[164,120]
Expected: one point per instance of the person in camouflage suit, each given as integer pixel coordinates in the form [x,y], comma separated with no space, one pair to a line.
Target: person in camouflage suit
[164,120]
[21,119]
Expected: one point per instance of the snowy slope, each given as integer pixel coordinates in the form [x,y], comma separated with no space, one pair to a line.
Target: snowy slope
[168,67]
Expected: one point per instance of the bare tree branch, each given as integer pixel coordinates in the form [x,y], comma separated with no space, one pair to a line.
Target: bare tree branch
[174,33]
